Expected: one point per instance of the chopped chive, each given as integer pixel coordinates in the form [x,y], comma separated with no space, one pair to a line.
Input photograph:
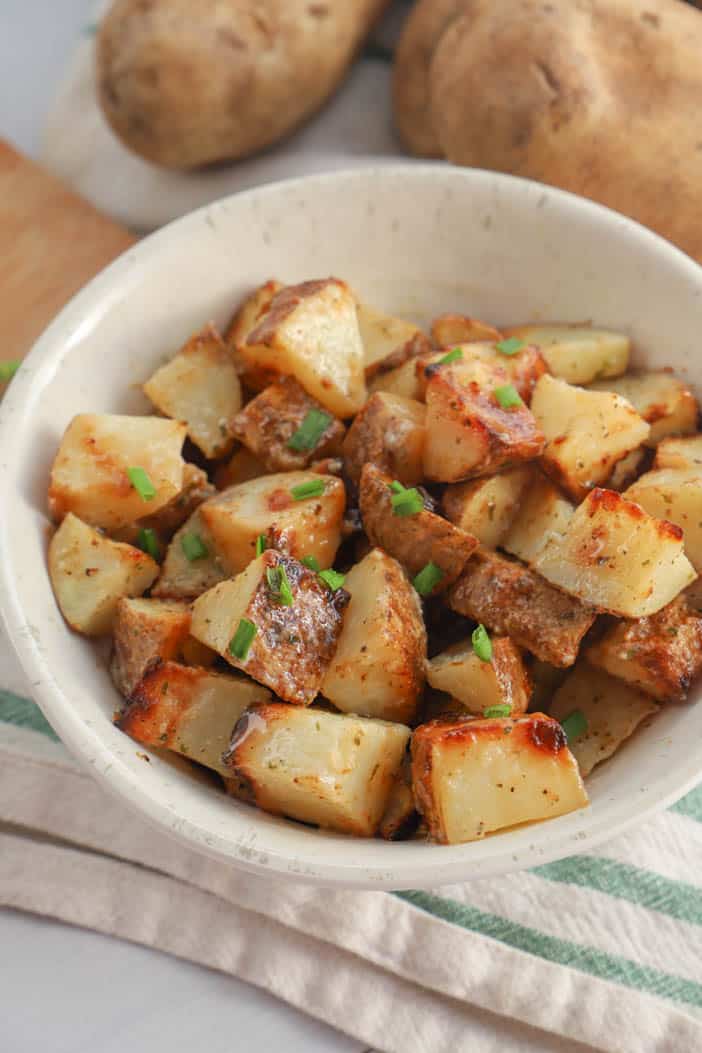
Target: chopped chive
[310,431]
[139,479]
[502,710]
[482,644]
[407,502]
[427,579]
[507,396]
[279,585]
[332,578]
[311,562]
[148,542]
[8,370]
[396,487]
[452,356]
[260,544]
[313,488]
[193,547]
[574,725]
[510,346]
[241,642]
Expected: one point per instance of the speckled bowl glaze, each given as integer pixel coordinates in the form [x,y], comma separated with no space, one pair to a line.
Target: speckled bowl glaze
[414,239]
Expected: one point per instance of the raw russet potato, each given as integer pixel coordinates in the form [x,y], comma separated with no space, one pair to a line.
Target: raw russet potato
[186,85]
[599,97]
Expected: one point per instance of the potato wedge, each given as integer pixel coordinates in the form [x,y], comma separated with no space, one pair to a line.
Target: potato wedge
[200,387]
[674,494]
[239,469]
[322,768]
[487,507]
[381,335]
[378,668]
[543,517]
[145,633]
[586,432]
[450,329]
[311,332]
[660,655]
[575,353]
[665,402]
[186,574]
[190,711]
[615,556]
[512,600]
[292,643]
[612,709]
[245,320]
[679,453]
[477,685]
[413,540]
[90,574]
[472,777]
[89,476]
[389,432]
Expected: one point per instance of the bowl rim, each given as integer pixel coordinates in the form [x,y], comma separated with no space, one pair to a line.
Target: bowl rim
[84,741]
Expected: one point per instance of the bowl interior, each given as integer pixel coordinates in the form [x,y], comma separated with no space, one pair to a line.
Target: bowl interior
[412,239]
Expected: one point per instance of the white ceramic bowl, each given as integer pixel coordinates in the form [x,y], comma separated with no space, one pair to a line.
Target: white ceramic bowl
[416,240]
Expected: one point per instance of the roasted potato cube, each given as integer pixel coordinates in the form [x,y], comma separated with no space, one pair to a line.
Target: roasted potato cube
[239,469]
[196,489]
[292,643]
[615,556]
[469,432]
[472,777]
[545,680]
[311,331]
[586,431]
[612,711]
[191,711]
[90,574]
[522,369]
[450,329]
[146,632]
[660,655]
[486,508]
[89,476]
[187,571]
[512,600]
[242,324]
[577,354]
[661,399]
[674,494]
[268,424]
[379,666]
[543,516]
[405,377]
[414,540]
[200,386]
[679,453]
[477,685]
[627,470]
[381,335]
[390,433]
[318,767]
[400,818]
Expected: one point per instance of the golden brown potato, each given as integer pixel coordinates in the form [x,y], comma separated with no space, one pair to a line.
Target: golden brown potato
[382,336]
[196,489]
[487,507]
[414,540]
[471,777]
[679,453]
[674,494]
[627,471]
[477,685]
[239,469]
[665,402]
[514,601]
[145,633]
[577,354]
[543,517]
[522,367]
[389,432]
[192,564]
[450,329]
[245,320]
[400,818]
[402,374]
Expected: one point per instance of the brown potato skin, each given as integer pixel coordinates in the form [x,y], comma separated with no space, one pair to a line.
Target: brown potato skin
[387,438]
[184,85]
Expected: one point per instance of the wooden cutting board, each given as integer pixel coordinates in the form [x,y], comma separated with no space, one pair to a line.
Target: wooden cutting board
[52,242]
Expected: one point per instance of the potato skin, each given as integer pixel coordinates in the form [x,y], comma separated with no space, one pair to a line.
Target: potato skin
[254,69]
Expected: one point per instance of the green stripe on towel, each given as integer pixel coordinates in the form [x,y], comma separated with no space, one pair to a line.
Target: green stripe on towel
[24,714]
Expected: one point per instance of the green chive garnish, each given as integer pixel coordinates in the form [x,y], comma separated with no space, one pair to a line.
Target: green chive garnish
[508,396]
[312,563]
[405,502]
[427,579]
[510,346]
[141,483]
[279,585]
[332,578]
[8,370]
[241,642]
[310,431]
[148,542]
[452,356]
[502,710]
[313,488]
[482,645]
[193,547]
[396,487]
[260,544]
[574,725]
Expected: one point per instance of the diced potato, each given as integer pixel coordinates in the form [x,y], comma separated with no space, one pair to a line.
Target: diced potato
[617,557]
[627,470]
[239,469]
[379,666]
[612,709]
[309,527]
[586,432]
[414,540]
[323,768]
[311,331]
[522,369]
[452,329]
[293,644]
[196,489]
[90,574]
[512,600]
[487,507]
[242,324]
[89,474]
[665,402]
[545,679]
[146,632]
[674,494]
[381,335]
[389,432]
[679,453]
[200,386]
[469,433]
[182,578]
[543,517]
[267,424]
[472,777]
[660,655]
[406,378]
[400,817]
[478,685]
[577,354]
[190,711]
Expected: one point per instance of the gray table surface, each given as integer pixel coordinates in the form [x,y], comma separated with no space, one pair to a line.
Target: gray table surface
[67,990]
